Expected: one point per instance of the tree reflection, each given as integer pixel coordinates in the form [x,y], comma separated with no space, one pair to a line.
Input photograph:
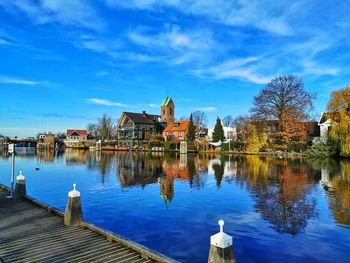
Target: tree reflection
[340,198]
[167,188]
[282,192]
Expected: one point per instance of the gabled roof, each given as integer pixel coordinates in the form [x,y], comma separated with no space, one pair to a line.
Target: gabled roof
[142,118]
[166,101]
[182,126]
[80,132]
[334,116]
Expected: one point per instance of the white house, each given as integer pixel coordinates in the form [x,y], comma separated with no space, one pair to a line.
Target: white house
[325,122]
[230,133]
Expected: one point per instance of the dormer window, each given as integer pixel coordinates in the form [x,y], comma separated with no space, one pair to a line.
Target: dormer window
[175,125]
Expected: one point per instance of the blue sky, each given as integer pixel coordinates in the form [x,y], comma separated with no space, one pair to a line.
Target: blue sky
[64,63]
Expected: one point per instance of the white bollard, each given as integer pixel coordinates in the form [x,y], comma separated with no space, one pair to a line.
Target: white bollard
[73,215]
[221,247]
[20,189]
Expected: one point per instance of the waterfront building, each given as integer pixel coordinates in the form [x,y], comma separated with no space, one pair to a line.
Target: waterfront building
[176,131]
[167,109]
[230,133]
[137,128]
[325,123]
[75,137]
[46,141]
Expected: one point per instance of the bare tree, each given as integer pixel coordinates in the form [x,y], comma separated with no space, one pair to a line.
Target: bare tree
[103,130]
[241,123]
[283,96]
[200,119]
[228,121]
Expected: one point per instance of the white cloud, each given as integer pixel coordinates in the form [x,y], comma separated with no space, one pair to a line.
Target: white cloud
[174,45]
[101,73]
[151,105]
[207,109]
[11,80]
[312,68]
[265,15]
[106,102]
[244,68]
[67,12]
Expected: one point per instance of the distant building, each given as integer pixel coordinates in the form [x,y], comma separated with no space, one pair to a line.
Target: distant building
[325,123]
[176,131]
[230,133]
[167,109]
[201,133]
[135,128]
[46,141]
[75,137]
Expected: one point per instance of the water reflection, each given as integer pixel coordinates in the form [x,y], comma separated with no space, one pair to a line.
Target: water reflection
[340,198]
[283,190]
[335,181]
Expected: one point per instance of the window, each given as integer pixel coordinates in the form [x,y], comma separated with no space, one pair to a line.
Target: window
[176,125]
[163,112]
[171,110]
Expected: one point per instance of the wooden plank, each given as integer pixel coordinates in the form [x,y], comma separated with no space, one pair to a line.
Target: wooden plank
[31,231]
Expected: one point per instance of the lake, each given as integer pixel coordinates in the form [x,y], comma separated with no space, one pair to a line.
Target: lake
[276,210]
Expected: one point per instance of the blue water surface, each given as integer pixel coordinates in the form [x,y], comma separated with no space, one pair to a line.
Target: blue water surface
[276,210]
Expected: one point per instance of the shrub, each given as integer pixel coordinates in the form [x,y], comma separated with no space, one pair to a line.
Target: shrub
[320,151]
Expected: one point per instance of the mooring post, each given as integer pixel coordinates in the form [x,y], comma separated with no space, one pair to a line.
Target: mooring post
[221,247]
[73,215]
[20,189]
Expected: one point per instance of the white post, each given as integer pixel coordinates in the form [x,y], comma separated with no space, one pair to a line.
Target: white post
[20,189]
[73,215]
[11,149]
[221,247]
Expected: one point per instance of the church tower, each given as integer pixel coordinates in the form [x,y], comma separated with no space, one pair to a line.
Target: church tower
[167,110]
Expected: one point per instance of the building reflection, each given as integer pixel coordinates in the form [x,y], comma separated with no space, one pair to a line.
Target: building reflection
[76,157]
[47,156]
[336,184]
[138,169]
[222,168]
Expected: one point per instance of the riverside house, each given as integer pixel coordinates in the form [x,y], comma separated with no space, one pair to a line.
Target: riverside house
[176,131]
[75,137]
[137,128]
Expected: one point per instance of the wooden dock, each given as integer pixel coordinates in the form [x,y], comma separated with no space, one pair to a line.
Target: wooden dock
[31,231]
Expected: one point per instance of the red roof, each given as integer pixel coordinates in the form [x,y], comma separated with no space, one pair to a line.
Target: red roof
[178,126]
[81,132]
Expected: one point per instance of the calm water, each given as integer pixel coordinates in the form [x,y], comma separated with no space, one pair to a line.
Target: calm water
[276,210]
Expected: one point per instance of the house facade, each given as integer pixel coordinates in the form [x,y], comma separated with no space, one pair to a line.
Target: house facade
[230,133]
[325,123]
[137,128]
[176,131]
[75,137]
[46,141]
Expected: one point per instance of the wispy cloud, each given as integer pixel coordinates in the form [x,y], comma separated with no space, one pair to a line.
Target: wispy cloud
[4,42]
[17,81]
[207,109]
[107,102]
[67,12]
[173,44]
[243,68]
[151,105]
[265,15]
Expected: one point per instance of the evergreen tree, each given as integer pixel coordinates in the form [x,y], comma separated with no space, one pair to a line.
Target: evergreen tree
[218,133]
[191,130]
